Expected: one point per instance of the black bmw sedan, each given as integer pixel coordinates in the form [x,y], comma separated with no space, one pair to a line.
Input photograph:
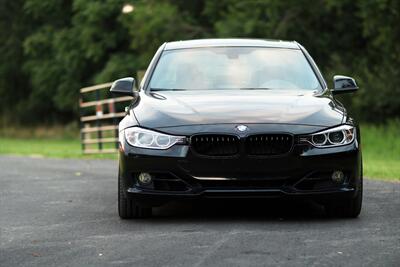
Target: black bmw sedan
[237,118]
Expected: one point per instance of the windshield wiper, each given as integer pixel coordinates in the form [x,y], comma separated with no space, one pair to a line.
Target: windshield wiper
[216,89]
[255,88]
[166,89]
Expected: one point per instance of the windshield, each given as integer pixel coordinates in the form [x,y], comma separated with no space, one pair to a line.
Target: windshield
[228,68]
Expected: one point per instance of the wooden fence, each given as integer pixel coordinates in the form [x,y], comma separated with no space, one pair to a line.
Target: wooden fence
[100,115]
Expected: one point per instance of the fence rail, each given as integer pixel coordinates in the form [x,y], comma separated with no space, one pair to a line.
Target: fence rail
[102,117]
[99,119]
[105,101]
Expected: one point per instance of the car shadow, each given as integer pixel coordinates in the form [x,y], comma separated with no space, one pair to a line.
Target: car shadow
[240,210]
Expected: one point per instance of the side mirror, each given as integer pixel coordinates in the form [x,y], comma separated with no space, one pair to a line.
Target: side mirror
[343,84]
[124,86]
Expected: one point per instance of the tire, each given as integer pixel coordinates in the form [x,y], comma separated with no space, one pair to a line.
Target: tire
[128,208]
[347,208]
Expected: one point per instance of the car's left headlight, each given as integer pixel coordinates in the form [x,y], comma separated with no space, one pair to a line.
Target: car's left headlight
[338,136]
[143,138]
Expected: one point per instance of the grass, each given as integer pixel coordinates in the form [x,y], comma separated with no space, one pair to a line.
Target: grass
[53,141]
[381,150]
[380,146]
[54,148]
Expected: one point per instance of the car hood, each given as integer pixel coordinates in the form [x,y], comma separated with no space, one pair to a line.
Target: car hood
[180,108]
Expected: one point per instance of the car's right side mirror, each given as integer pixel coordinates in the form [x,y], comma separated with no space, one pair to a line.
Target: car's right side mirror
[343,84]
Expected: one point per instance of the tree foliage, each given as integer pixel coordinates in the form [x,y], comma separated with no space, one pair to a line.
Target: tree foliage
[51,48]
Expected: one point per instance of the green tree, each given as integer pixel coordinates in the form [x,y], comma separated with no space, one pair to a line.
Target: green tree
[51,48]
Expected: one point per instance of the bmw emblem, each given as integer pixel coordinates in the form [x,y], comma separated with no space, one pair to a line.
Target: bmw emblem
[242,128]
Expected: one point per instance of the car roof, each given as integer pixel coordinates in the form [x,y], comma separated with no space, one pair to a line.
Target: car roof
[230,42]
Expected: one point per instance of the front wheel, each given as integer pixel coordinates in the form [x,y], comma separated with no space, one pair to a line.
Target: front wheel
[348,208]
[129,208]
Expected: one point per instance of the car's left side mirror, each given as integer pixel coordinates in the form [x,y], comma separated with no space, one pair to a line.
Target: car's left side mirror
[124,86]
[343,84]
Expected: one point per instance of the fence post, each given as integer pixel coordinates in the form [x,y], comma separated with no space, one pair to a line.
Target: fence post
[99,113]
[104,120]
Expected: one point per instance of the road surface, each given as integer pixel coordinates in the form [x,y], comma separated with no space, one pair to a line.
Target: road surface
[62,212]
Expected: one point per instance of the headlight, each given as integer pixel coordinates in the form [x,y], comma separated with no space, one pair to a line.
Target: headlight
[144,138]
[337,136]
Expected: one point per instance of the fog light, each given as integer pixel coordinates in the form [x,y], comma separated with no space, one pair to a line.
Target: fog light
[338,177]
[145,178]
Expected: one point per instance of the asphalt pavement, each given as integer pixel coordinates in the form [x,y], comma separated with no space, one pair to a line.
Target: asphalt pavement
[62,212]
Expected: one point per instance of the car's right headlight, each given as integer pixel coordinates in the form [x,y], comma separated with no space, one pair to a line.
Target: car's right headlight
[143,138]
[337,136]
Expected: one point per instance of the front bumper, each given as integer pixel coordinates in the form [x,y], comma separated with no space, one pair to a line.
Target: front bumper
[179,173]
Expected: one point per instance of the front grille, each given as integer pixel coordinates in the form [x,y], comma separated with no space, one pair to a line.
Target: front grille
[268,144]
[215,145]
